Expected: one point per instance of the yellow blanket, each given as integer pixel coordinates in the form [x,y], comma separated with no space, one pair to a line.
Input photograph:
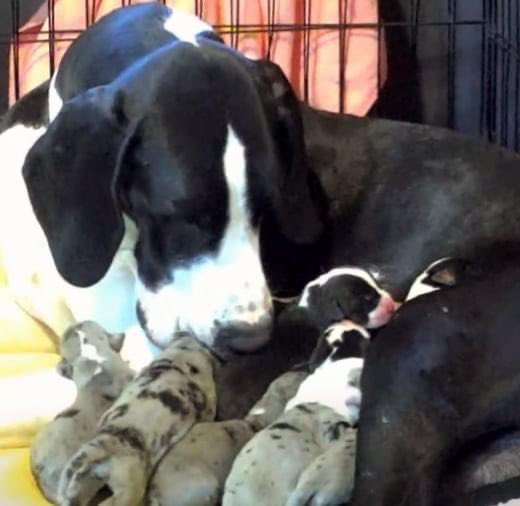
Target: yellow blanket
[31,393]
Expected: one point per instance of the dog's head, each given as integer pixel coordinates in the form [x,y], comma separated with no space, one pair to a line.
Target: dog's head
[193,145]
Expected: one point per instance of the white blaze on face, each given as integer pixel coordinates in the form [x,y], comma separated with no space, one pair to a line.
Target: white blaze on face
[224,287]
[185,26]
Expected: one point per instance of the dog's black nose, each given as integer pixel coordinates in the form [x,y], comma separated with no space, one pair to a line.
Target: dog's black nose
[245,337]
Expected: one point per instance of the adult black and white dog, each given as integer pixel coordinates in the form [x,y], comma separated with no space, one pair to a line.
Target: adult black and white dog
[166,173]
[164,152]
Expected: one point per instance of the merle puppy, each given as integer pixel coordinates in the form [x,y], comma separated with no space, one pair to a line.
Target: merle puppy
[441,388]
[155,411]
[100,375]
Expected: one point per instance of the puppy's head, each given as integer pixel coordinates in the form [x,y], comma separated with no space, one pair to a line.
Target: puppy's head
[347,293]
[191,149]
[88,350]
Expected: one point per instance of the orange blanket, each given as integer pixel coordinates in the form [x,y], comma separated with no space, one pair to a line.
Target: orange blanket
[319,81]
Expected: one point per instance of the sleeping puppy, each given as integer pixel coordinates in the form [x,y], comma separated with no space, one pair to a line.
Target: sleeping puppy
[334,381]
[329,479]
[344,293]
[100,376]
[155,411]
[440,385]
[347,293]
[270,465]
[193,473]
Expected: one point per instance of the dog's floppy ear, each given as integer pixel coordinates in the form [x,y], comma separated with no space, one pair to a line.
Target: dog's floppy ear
[70,173]
[296,199]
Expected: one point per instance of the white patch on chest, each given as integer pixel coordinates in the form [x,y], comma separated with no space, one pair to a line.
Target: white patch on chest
[55,102]
[185,26]
[333,384]
[218,288]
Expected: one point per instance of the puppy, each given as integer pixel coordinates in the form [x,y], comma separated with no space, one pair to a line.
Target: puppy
[100,376]
[346,293]
[335,381]
[329,479]
[269,467]
[193,473]
[441,379]
[154,412]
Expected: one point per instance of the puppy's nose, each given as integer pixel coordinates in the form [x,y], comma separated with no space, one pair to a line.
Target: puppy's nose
[245,337]
[383,312]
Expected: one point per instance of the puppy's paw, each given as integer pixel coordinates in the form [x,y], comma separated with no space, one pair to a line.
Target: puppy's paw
[329,479]
[106,462]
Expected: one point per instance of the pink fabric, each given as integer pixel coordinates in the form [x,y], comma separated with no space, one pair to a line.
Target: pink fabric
[360,46]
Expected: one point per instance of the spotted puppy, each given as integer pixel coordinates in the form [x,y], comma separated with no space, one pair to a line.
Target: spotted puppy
[193,473]
[329,479]
[100,375]
[271,465]
[154,412]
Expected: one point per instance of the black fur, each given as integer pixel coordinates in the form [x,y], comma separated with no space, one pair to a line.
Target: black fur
[443,374]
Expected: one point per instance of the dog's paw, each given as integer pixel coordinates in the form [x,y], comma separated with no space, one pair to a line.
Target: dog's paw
[106,462]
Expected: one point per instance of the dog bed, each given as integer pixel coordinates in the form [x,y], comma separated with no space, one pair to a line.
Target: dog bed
[28,386]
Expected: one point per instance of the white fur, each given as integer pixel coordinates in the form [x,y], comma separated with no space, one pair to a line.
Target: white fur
[220,288]
[419,287]
[333,384]
[334,334]
[55,102]
[138,351]
[185,26]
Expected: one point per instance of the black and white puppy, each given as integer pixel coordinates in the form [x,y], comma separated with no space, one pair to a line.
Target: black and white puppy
[345,293]
[440,399]
[163,157]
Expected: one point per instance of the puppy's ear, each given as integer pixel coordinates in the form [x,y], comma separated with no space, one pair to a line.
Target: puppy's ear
[445,277]
[116,341]
[297,190]
[70,173]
